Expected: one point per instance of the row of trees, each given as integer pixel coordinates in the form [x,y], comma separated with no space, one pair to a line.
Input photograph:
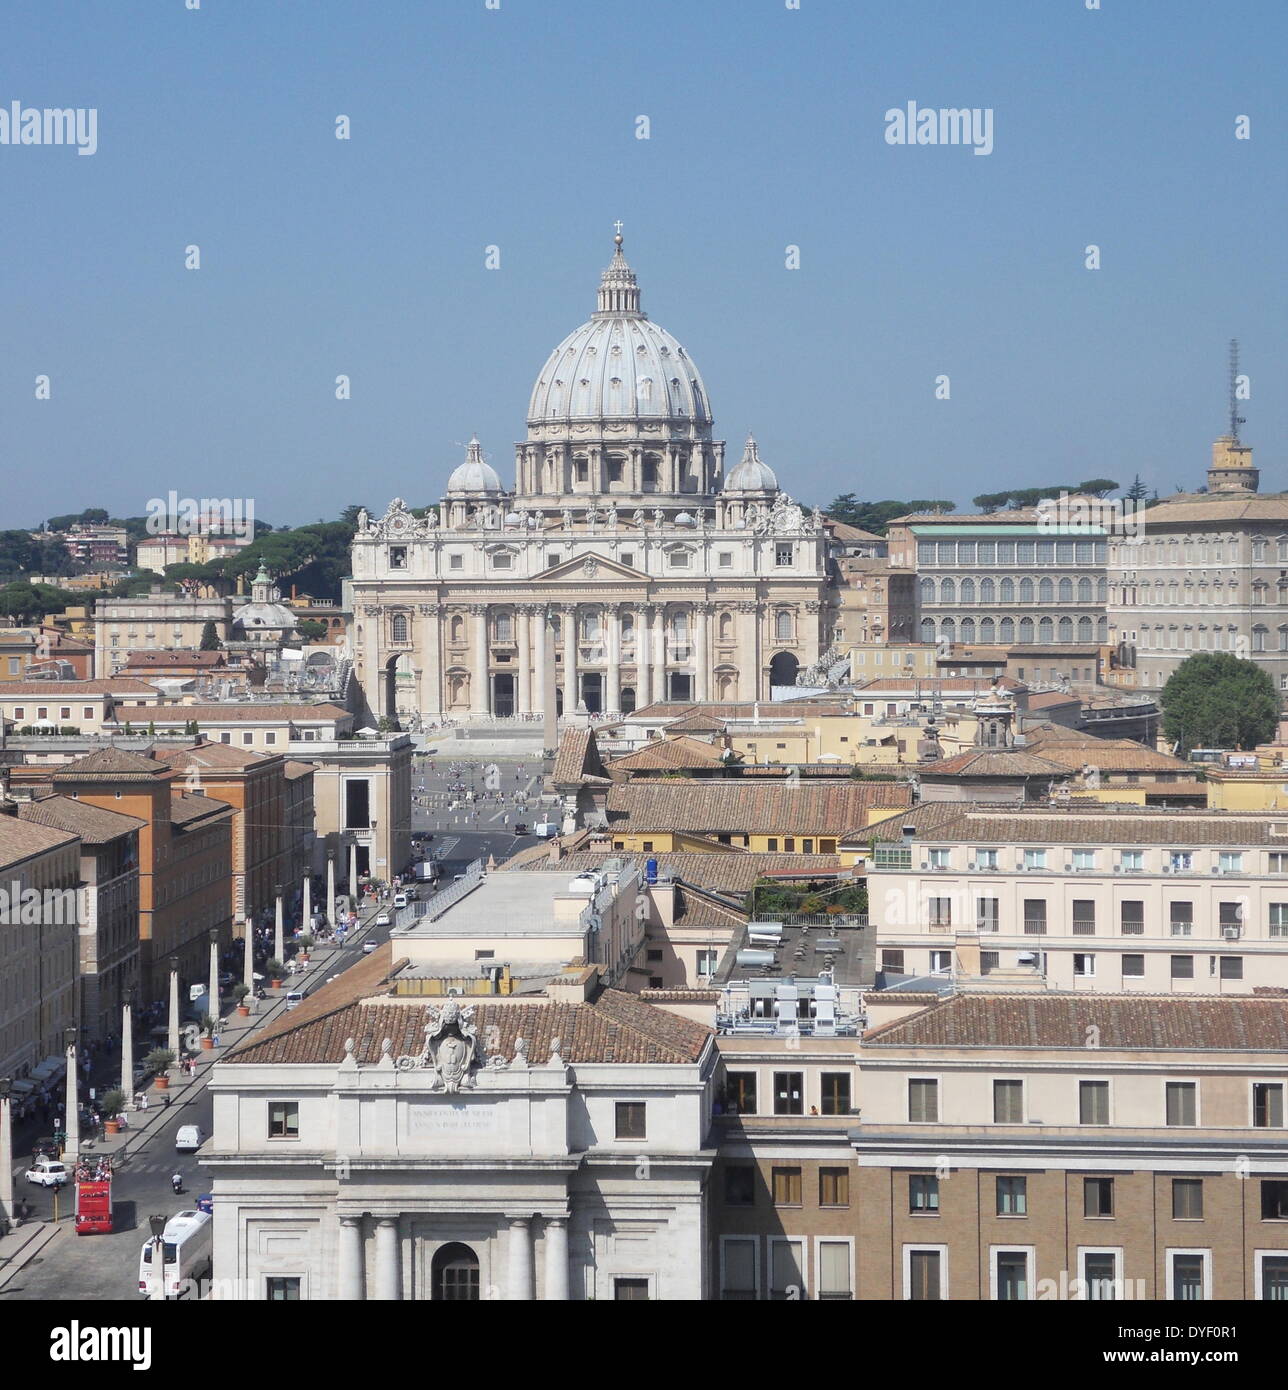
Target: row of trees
[1016,497]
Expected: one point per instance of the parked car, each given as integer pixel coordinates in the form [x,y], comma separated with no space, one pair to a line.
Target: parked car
[47,1172]
[383,918]
[520,828]
[368,947]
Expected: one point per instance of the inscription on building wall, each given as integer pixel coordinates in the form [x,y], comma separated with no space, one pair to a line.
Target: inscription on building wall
[453,1119]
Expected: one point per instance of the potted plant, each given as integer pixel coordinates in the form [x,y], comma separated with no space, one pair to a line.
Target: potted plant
[159,1061]
[306,945]
[239,993]
[113,1102]
[276,970]
[208,1026]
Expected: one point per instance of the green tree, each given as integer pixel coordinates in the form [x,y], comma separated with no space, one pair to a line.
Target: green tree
[1218,700]
[1098,487]
[311,630]
[210,639]
[1138,491]
[876,516]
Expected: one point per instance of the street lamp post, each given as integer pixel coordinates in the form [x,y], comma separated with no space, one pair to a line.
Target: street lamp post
[6,1156]
[71,1124]
[127,1050]
[172,1041]
[279,938]
[157,1292]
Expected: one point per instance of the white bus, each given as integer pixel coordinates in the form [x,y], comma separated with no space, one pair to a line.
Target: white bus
[186,1244]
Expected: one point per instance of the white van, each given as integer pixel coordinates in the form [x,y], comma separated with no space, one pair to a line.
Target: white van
[400,899]
[294,998]
[545,830]
[186,1244]
[188,1139]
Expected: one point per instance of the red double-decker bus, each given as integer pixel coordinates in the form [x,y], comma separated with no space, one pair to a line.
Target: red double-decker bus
[93,1200]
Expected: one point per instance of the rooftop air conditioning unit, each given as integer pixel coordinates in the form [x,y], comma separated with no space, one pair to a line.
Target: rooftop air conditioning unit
[924,864]
[1068,868]
[1231,933]
[1118,868]
[1167,868]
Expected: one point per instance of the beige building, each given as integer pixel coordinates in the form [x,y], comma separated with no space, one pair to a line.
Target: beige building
[625,566]
[1203,572]
[88,707]
[153,622]
[1093,898]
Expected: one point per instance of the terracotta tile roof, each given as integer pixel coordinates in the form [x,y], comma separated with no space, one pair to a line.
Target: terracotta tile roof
[696,724]
[766,710]
[667,753]
[230,713]
[933,685]
[1096,823]
[213,755]
[186,809]
[578,759]
[94,824]
[696,910]
[1111,754]
[111,763]
[113,685]
[20,839]
[730,872]
[681,996]
[1053,699]
[843,531]
[994,762]
[736,807]
[295,770]
[1213,507]
[617,1028]
[1155,1023]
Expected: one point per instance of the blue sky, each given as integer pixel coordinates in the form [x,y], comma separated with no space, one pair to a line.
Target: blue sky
[516,128]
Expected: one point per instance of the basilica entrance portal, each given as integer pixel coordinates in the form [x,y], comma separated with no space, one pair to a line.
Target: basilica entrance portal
[455,1274]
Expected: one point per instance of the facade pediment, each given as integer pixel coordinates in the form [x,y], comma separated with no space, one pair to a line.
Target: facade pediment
[594,568]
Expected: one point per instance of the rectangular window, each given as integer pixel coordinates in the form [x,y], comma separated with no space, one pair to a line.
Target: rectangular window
[986,914]
[1035,859]
[738,1269]
[923,1101]
[1187,1275]
[283,1119]
[1035,918]
[630,1119]
[1093,1102]
[940,859]
[1182,967]
[630,1290]
[1268,1105]
[986,859]
[1230,862]
[786,1184]
[1084,917]
[455,562]
[1100,1275]
[1272,1272]
[1274,1200]
[1012,1196]
[1229,968]
[923,1193]
[1182,1103]
[782,555]
[397,557]
[1097,1197]
[1011,1275]
[834,1187]
[789,1093]
[925,1275]
[939,912]
[502,560]
[283,1290]
[1132,861]
[1083,964]
[1187,1199]
[834,1270]
[739,1185]
[1008,1102]
[1181,918]
[1133,967]
[1132,917]
[1230,914]
[836,1092]
[1279,919]
[726,559]
[786,1269]
[1278,861]
[1084,859]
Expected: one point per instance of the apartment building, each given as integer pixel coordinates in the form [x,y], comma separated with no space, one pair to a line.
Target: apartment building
[1007,577]
[259,727]
[88,707]
[1093,899]
[153,622]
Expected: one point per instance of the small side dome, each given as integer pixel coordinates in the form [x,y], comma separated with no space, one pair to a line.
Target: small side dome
[750,474]
[475,475]
[685,519]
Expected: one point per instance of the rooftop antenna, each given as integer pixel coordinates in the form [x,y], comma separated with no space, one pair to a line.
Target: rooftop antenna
[1235,418]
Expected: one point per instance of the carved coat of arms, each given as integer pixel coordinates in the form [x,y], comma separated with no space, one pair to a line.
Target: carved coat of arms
[453,1048]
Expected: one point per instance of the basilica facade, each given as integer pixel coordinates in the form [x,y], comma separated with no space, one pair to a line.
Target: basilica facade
[625,566]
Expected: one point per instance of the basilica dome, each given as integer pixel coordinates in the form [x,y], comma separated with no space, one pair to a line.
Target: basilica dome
[475,475]
[619,366]
[750,473]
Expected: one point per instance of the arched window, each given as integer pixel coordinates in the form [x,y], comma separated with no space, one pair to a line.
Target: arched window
[784,628]
[503,626]
[1026,590]
[947,592]
[1258,639]
[948,630]
[1102,629]
[1026,632]
[968,592]
[590,625]
[1086,590]
[1283,639]
[457,628]
[1066,629]
[398,628]
[454,1274]
[987,591]
[987,630]
[927,591]
[1086,629]
[1066,591]
[1007,592]
[1046,591]
[927,629]
[1046,631]
[725,627]
[968,630]
[1006,631]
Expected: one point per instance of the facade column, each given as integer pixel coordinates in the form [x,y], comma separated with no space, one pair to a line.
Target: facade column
[351,1270]
[657,649]
[540,619]
[523,695]
[613,698]
[557,1257]
[480,695]
[748,652]
[643,672]
[702,658]
[387,1259]
[521,1271]
[570,658]
[431,672]
[808,628]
